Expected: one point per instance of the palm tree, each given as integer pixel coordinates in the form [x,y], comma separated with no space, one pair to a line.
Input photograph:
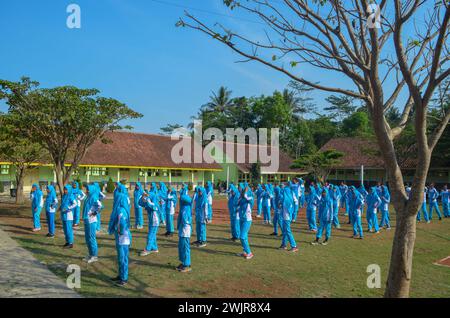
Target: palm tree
[219,101]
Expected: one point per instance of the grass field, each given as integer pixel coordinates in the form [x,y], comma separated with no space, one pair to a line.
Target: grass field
[336,270]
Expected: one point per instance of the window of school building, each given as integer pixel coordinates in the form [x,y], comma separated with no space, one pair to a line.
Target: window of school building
[4,169]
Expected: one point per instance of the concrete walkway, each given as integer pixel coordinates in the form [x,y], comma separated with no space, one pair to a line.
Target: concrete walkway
[22,275]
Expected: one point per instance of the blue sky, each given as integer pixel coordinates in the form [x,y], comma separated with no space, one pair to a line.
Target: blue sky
[132,51]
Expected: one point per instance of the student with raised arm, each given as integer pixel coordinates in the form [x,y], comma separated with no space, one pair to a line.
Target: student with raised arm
[325,216]
[245,219]
[433,196]
[148,202]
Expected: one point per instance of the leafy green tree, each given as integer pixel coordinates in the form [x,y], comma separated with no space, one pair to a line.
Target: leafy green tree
[340,106]
[255,173]
[322,130]
[20,151]
[65,121]
[169,128]
[319,163]
[357,125]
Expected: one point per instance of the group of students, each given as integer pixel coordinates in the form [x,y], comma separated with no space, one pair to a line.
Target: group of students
[284,200]
[432,195]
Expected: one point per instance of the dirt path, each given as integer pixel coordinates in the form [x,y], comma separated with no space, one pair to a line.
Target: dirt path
[22,275]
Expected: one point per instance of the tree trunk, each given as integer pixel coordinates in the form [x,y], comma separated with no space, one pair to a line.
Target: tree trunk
[399,278]
[20,173]
[59,179]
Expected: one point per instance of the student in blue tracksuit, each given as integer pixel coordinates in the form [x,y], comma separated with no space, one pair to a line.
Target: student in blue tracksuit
[373,202]
[295,188]
[51,204]
[302,193]
[445,201]
[79,196]
[385,200]
[259,191]
[201,215]
[423,208]
[364,194]
[277,210]
[210,195]
[245,203]
[311,208]
[138,213]
[344,198]
[91,208]
[433,196]
[184,227]
[287,203]
[335,195]
[326,217]
[233,209]
[101,197]
[68,204]
[266,203]
[119,225]
[162,196]
[356,211]
[171,204]
[149,204]
[37,203]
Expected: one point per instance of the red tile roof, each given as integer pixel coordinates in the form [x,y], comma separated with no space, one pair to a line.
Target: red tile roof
[130,149]
[285,161]
[360,151]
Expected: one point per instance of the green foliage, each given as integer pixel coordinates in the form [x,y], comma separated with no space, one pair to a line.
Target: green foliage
[340,106]
[110,186]
[319,163]
[255,173]
[169,129]
[64,120]
[357,125]
[2,187]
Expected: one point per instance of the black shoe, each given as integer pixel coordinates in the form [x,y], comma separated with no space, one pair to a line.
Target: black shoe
[179,267]
[50,235]
[274,234]
[121,283]
[66,245]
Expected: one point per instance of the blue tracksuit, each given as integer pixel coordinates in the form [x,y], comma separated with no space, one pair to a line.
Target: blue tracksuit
[325,215]
[433,195]
[149,204]
[445,197]
[170,210]
[287,207]
[259,191]
[68,204]
[201,213]
[277,210]
[356,210]
[37,202]
[138,213]
[344,198]
[423,209]
[373,202]
[210,196]
[233,209]
[266,203]
[51,204]
[184,227]
[91,207]
[385,200]
[245,219]
[295,188]
[336,199]
[311,208]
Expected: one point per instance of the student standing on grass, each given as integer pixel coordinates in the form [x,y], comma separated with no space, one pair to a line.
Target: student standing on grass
[170,211]
[445,197]
[162,195]
[311,208]
[295,188]
[101,197]
[37,203]
[51,204]
[433,196]
[148,202]
[119,225]
[288,200]
[201,215]
[266,203]
[210,196]
[91,208]
[277,210]
[68,204]
[184,227]
[326,217]
[233,209]
[301,193]
[336,198]
[259,192]
[373,202]
[138,213]
[344,198]
[245,219]
[423,208]
[357,203]
[79,196]
[385,200]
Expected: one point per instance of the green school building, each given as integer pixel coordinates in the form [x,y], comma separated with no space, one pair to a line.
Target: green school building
[146,158]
